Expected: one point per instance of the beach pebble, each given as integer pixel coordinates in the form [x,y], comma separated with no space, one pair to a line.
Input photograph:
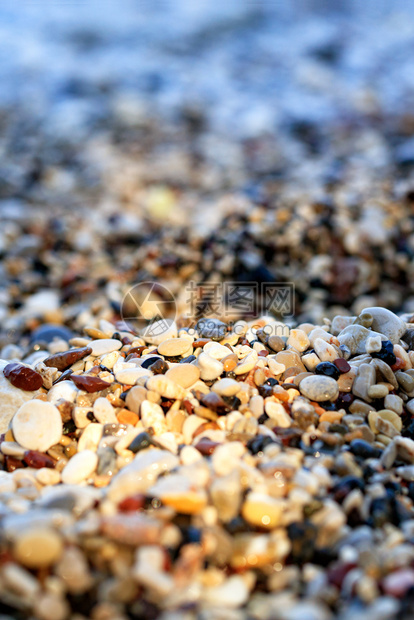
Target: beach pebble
[246,364]
[38,547]
[165,387]
[263,511]
[104,346]
[129,376]
[366,377]
[298,339]
[387,323]
[319,388]
[135,397]
[80,467]
[37,425]
[226,387]
[64,390]
[11,398]
[104,412]
[173,347]
[152,416]
[232,593]
[184,374]
[210,368]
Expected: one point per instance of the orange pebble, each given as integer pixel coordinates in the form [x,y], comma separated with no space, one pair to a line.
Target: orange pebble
[229,362]
[400,363]
[127,417]
[319,410]
[330,416]
[280,393]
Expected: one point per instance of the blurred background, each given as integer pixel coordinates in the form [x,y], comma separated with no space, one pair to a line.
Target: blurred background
[174,141]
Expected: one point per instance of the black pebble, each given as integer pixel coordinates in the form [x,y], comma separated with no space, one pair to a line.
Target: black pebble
[365,450]
[328,369]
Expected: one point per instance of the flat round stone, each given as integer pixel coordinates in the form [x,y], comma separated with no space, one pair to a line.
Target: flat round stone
[104,346]
[11,399]
[226,387]
[80,467]
[37,425]
[319,388]
[38,547]
[184,374]
[172,347]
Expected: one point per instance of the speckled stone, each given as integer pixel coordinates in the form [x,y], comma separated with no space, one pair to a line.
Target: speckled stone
[319,388]
[37,425]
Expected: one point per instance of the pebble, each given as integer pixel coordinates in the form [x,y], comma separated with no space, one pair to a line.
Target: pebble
[80,467]
[366,377]
[11,399]
[23,377]
[129,376]
[298,339]
[246,364]
[89,383]
[211,328]
[262,511]
[37,425]
[104,346]
[226,387]
[184,375]
[163,329]
[319,388]
[387,323]
[38,547]
[104,412]
[135,397]
[165,387]
[210,368]
[377,391]
[65,360]
[174,347]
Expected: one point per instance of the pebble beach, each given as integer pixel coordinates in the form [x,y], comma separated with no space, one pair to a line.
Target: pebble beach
[227,463]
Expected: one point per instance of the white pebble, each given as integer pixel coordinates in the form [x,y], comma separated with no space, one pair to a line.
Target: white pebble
[80,467]
[37,425]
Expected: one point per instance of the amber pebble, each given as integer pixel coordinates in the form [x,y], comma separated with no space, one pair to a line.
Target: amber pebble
[137,350]
[342,365]
[206,446]
[188,407]
[37,460]
[64,360]
[230,362]
[23,377]
[88,383]
[132,503]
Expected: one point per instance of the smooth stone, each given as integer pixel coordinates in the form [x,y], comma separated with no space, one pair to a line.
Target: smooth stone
[247,363]
[226,387]
[387,323]
[394,402]
[90,438]
[80,467]
[261,510]
[339,323]
[165,387]
[173,347]
[38,547]
[298,339]
[289,359]
[210,368]
[211,328]
[141,473]
[373,344]
[216,350]
[49,332]
[37,425]
[232,593]
[64,390]
[355,337]
[378,391]
[152,416]
[365,378]
[184,374]
[405,380]
[104,412]
[319,388]
[11,398]
[104,346]
[135,397]
[384,372]
[325,351]
[129,376]
[277,412]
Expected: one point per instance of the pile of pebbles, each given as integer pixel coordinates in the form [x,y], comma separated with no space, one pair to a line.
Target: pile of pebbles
[247,470]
